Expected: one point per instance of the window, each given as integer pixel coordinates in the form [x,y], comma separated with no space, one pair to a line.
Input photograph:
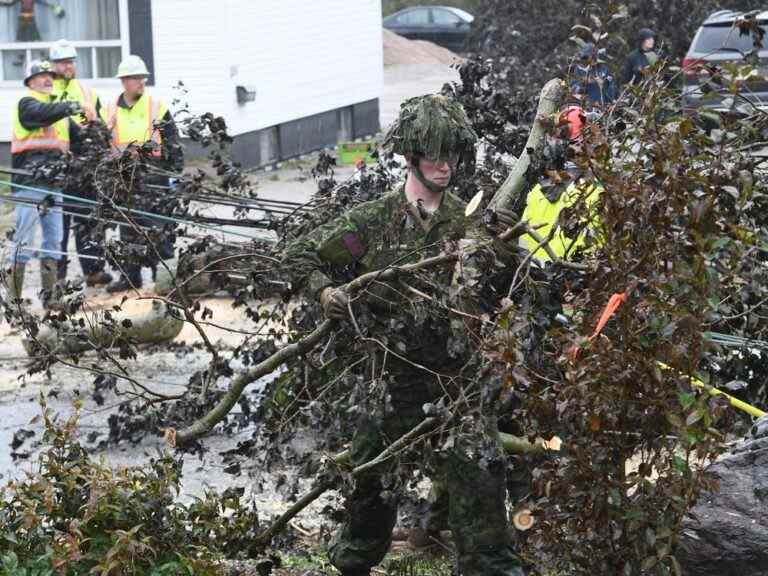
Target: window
[97,29]
[418,17]
[723,39]
[445,17]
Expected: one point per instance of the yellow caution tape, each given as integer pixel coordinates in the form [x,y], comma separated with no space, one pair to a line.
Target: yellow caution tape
[735,402]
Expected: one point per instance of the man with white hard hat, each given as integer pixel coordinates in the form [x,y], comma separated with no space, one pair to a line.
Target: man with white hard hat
[67,88]
[139,119]
[41,133]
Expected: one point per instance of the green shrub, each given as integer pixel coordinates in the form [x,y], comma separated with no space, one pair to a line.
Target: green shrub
[78,516]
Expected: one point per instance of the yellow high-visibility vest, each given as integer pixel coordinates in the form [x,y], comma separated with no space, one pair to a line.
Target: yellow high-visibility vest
[542,214]
[137,125]
[53,137]
[75,91]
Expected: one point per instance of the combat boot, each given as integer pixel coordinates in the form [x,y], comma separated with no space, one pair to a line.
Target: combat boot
[49,279]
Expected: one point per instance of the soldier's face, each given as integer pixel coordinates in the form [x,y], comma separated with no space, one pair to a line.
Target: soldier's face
[65,69]
[440,171]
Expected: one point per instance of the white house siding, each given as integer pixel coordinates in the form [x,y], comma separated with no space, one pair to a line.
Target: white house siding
[189,38]
[303,57]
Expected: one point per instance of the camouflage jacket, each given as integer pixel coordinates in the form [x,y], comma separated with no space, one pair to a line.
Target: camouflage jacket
[372,236]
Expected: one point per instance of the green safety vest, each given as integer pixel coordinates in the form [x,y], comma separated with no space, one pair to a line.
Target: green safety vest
[542,214]
[53,137]
[74,91]
[136,125]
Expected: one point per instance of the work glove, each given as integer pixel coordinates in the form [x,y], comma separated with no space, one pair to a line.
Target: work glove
[506,218]
[89,111]
[335,303]
[501,220]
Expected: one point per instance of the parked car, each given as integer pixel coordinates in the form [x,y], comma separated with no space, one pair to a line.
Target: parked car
[718,42]
[443,25]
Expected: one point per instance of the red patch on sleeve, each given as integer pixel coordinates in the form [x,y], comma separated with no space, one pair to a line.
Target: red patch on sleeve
[353,244]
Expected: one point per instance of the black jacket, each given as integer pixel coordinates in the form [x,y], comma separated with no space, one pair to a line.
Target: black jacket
[632,71]
[34,114]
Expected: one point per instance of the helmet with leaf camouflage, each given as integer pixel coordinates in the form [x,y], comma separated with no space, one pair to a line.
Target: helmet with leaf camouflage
[433,127]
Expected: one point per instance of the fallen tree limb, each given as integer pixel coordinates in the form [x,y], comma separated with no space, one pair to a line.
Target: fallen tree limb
[425,426]
[510,443]
[269,365]
[549,103]
[517,182]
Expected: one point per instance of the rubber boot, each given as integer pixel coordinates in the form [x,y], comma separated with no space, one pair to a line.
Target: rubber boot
[16,281]
[49,279]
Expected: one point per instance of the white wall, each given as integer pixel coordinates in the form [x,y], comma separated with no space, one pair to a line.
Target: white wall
[302,56]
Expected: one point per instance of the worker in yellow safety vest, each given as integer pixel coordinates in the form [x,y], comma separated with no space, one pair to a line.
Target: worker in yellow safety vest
[545,203]
[543,209]
[42,131]
[68,88]
[137,118]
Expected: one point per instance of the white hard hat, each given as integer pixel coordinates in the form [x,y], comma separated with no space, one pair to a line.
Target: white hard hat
[132,66]
[63,50]
[37,67]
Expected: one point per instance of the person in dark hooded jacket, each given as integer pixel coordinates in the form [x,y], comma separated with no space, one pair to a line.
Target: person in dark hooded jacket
[640,58]
[594,78]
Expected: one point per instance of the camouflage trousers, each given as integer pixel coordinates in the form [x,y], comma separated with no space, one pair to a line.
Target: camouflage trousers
[476,497]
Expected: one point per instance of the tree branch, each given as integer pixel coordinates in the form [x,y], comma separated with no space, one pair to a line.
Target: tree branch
[549,103]
[269,365]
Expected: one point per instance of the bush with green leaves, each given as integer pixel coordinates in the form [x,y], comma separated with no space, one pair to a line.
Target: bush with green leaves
[74,515]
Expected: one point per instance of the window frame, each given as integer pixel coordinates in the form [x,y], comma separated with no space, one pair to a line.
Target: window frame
[108,82]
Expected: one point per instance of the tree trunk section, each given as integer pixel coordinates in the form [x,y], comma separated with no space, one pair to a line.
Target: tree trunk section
[154,327]
[726,533]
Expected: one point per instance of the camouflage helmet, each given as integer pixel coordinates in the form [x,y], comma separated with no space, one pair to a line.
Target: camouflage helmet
[432,127]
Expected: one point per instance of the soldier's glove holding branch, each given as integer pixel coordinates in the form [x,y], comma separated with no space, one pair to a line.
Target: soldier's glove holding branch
[500,219]
[498,222]
[335,303]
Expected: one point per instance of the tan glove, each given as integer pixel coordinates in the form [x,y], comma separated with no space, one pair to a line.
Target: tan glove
[335,303]
[504,220]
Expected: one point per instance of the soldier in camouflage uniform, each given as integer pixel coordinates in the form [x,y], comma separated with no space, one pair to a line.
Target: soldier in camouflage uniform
[405,225]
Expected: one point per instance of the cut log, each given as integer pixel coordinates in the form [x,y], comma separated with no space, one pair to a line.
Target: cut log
[155,326]
[726,534]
